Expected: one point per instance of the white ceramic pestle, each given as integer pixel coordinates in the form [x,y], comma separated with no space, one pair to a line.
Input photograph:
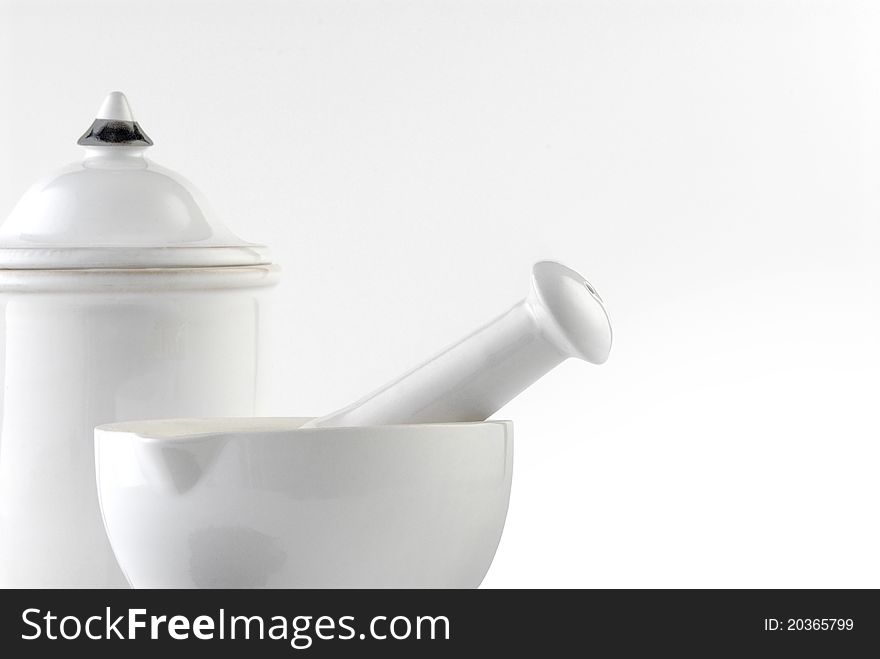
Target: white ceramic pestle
[561,317]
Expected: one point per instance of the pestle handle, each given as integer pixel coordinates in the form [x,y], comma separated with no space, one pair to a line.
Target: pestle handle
[562,317]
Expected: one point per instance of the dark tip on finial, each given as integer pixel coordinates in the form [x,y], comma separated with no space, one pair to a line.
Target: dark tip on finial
[114,125]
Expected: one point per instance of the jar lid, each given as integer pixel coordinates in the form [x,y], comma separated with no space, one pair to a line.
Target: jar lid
[117,209]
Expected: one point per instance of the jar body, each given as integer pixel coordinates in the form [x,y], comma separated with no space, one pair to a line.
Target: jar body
[106,347]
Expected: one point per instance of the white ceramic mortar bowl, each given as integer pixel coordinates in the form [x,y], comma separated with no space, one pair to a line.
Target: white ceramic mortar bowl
[252,503]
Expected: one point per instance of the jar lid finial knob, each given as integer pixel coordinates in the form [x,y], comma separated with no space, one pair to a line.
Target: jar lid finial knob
[114,125]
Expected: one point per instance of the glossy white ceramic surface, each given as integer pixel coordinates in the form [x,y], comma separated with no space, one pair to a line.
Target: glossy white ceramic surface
[93,330]
[263,503]
[561,317]
[74,360]
[118,209]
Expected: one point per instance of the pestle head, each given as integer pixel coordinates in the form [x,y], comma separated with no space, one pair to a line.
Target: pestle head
[562,317]
[575,309]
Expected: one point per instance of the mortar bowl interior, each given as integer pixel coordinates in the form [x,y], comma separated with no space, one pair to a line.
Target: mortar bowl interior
[262,503]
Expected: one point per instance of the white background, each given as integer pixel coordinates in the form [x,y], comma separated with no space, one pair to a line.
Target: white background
[712,167]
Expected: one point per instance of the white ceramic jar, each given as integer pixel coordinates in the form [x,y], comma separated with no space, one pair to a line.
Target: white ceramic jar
[122,298]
